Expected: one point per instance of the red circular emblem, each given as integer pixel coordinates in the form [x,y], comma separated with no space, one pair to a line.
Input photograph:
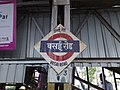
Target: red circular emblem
[63,57]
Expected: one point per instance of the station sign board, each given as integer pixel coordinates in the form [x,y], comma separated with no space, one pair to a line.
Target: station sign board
[59,48]
[7,24]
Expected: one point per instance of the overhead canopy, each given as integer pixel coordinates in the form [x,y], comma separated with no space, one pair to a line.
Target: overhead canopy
[94,3]
[44,5]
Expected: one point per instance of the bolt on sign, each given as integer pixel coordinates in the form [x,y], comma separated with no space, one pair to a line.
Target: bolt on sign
[59,48]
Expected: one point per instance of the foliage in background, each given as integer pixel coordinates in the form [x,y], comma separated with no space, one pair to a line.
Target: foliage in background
[10,87]
[110,73]
[91,73]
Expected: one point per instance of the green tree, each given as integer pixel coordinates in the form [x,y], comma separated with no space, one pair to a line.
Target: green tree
[91,73]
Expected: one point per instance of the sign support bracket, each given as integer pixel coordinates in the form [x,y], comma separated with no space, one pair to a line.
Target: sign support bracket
[59,17]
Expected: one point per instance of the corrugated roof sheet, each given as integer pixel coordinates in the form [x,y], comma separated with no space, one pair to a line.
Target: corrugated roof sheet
[12,73]
[100,43]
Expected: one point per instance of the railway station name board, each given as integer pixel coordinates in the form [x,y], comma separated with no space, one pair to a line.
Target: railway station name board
[59,48]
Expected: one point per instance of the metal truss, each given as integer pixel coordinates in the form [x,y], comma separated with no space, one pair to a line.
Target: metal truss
[107,25]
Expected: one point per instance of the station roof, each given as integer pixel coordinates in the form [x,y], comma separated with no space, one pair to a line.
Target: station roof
[105,42]
[45,5]
[94,3]
[74,3]
[96,55]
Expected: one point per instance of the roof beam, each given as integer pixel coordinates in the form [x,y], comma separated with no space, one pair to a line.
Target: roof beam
[107,25]
[44,2]
[40,60]
[82,24]
[38,27]
[97,60]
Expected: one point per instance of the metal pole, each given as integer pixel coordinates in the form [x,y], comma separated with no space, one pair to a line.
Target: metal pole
[115,80]
[103,78]
[54,16]
[87,77]
[67,16]
[73,73]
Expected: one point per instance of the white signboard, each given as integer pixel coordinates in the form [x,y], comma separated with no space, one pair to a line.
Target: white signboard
[7,25]
[59,48]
